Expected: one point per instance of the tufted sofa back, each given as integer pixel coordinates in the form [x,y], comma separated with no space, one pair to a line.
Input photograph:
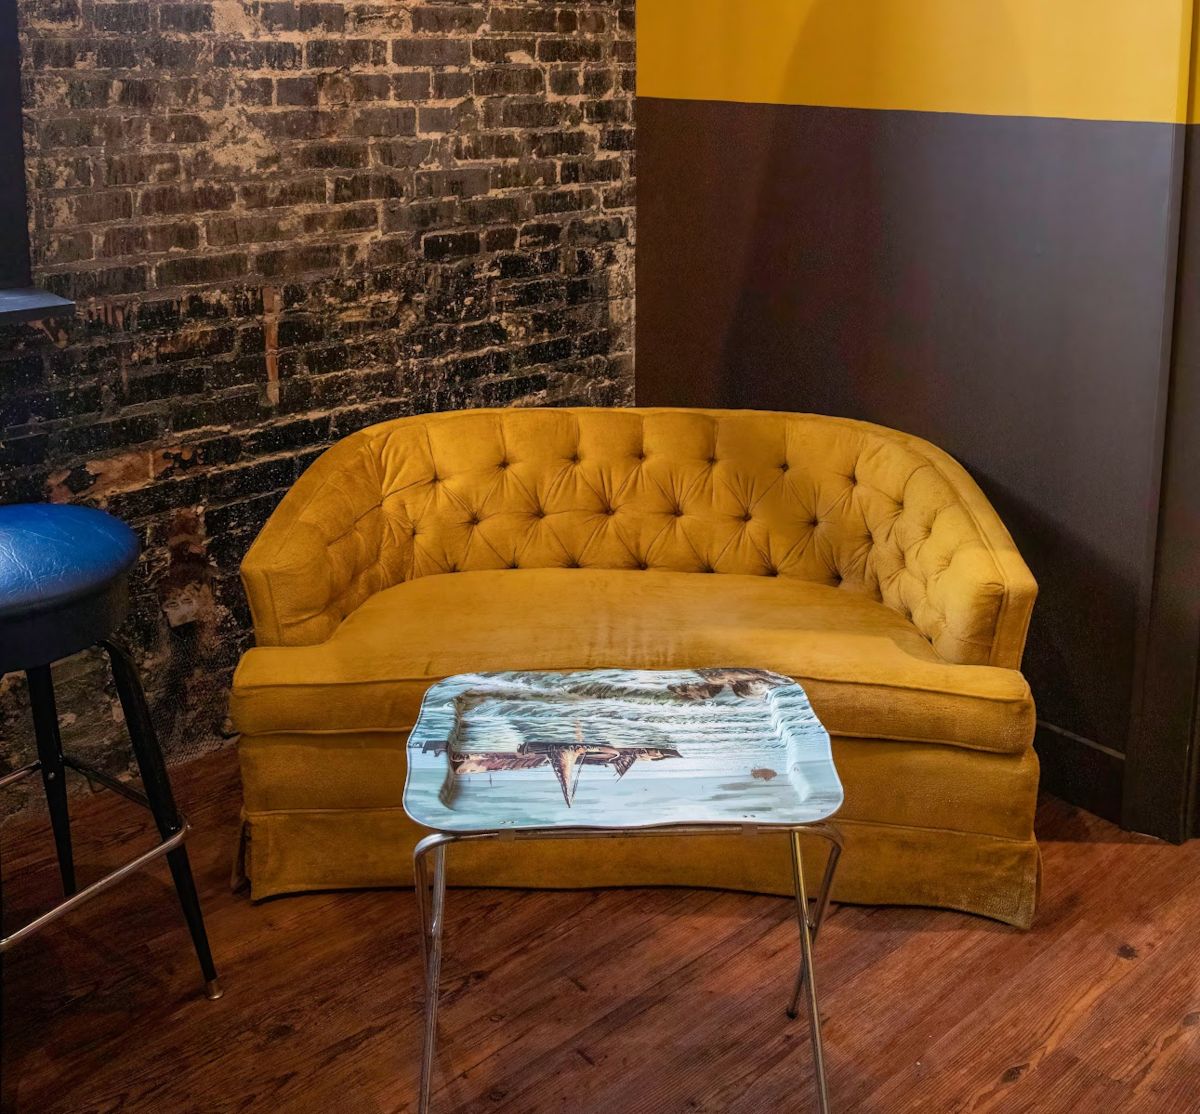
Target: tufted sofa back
[836,502]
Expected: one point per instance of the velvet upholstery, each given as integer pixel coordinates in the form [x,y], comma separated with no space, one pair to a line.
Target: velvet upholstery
[862,562]
[64,573]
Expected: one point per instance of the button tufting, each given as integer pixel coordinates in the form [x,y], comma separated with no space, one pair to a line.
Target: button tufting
[784,466]
[610,511]
[712,460]
[473,520]
[642,565]
[747,516]
[539,512]
[502,464]
[677,512]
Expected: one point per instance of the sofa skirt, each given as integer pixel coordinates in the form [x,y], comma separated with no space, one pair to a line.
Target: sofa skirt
[923,824]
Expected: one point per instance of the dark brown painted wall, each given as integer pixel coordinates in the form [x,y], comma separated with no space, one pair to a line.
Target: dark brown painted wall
[998,285]
[1164,762]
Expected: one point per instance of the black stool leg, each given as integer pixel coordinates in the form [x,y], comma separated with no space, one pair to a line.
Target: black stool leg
[162,801]
[49,745]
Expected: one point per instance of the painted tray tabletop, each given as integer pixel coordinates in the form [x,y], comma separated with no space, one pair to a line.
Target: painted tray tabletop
[618,748]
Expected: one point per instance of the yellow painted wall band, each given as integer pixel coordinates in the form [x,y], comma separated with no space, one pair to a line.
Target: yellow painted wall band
[1084,59]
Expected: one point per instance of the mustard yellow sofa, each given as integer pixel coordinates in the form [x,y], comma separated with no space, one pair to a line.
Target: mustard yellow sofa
[862,562]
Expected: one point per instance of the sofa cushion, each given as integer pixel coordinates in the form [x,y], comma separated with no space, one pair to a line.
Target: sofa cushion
[868,671]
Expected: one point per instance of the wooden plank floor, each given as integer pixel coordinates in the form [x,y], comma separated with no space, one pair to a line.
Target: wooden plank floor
[617,1001]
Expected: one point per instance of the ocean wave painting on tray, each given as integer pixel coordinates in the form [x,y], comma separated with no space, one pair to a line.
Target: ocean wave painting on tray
[613,748]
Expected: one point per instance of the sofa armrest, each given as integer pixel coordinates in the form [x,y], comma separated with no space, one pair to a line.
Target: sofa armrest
[327,547]
[966,586]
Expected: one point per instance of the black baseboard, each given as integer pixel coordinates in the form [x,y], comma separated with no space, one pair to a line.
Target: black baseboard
[1080,771]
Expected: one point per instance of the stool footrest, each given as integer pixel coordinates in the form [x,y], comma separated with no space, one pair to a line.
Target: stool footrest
[122,789]
[21,774]
[167,844]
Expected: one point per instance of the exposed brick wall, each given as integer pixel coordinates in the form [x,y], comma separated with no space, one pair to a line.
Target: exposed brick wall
[282,222]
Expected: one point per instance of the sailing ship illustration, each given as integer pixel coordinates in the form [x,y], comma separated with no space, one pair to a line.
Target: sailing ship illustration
[567,760]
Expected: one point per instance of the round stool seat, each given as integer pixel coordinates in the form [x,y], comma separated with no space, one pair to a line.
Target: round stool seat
[64,574]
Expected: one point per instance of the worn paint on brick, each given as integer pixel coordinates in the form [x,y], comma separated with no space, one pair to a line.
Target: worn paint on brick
[283,222]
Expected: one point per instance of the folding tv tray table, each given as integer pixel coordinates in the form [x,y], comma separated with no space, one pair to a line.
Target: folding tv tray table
[611,752]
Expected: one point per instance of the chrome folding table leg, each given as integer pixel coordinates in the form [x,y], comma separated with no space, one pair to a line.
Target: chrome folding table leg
[822,906]
[807,979]
[432,909]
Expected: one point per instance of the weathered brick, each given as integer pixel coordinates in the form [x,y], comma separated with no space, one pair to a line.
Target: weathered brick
[495,50]
[226,231]
[450,85]
[345,52]
[326,155]
[557,143]
[184,17]
[420,215]
[446,245]
[569,50]
[540,233]
[134,239]
[431,52]
[494,209]
[164,200]
[414,85]
[282,15]
[506,19]
[297,90]
[463,182]
[136,168]
[617,139]
[71,247]
[257,56]
[264,195]
[126,16]
[200,268]
[298,260]
[381,121]
[566,81]
[100,282]
[508,80]
[523,112]
[365,186]
[341,219]
[447,18]
[488,146]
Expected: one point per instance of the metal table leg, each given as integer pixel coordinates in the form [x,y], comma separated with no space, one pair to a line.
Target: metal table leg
[806,979]
[431,907]
[432,910]
[835,851]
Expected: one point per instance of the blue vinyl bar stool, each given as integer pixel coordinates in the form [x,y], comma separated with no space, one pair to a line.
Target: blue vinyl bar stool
[64,586]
